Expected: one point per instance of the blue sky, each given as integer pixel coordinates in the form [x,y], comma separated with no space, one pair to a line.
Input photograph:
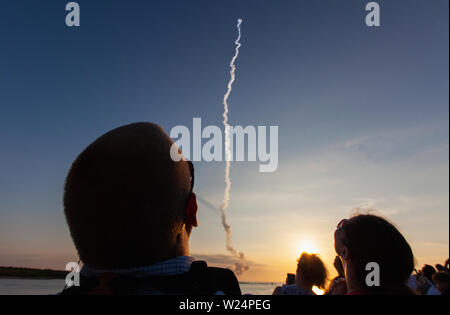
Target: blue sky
[362,115]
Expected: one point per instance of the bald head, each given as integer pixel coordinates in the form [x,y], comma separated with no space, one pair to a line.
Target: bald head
[125,198]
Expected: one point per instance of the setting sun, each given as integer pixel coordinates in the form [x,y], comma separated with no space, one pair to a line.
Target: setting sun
[307,246]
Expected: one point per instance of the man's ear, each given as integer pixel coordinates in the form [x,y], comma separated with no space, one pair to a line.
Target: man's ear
[191,211]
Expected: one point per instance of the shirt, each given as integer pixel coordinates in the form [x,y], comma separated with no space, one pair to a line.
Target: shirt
[174,266]
[294,290]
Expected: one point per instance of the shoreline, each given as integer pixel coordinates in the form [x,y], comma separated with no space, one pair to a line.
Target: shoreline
[31,273]
[30,278]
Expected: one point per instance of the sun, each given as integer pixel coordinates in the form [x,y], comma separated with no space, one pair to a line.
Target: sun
[307,246]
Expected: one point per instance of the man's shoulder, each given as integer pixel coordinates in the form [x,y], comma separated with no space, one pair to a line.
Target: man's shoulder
[199,279]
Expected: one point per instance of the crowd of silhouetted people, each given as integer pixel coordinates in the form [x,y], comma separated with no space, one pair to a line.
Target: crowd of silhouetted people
[359,242]
[131,209]
[311,272]
[430,280]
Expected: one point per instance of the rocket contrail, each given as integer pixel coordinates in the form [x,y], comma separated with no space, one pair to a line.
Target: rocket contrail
[241,265]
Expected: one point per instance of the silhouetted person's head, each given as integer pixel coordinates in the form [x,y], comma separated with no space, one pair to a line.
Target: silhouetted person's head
[441,281]
[290,279]
[364,239]
[311,271]
[428,271]
[439,267]
[127,203]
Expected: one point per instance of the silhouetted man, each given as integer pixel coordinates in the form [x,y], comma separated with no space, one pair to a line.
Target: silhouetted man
[131,210]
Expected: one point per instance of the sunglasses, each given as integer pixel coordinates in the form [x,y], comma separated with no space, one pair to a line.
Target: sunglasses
[340,226]
[191,171]
[192,177]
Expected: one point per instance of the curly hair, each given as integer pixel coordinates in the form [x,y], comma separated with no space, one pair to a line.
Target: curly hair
[312,270]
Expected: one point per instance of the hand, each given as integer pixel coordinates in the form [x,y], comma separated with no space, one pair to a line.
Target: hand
[338,287]
[420,279]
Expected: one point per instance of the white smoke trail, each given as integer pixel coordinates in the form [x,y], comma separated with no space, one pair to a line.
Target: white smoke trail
[241,265]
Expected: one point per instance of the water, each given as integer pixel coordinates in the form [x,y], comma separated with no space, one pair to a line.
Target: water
[53,286]
[30,286]
[258,288]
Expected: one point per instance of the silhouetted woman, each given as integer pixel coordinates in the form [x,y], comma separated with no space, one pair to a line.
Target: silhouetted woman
[367,239]
[311,272]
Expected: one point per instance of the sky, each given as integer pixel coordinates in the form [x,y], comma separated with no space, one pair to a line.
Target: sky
[362,112]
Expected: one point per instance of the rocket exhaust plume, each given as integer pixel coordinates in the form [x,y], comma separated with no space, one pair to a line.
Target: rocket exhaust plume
[241,265]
